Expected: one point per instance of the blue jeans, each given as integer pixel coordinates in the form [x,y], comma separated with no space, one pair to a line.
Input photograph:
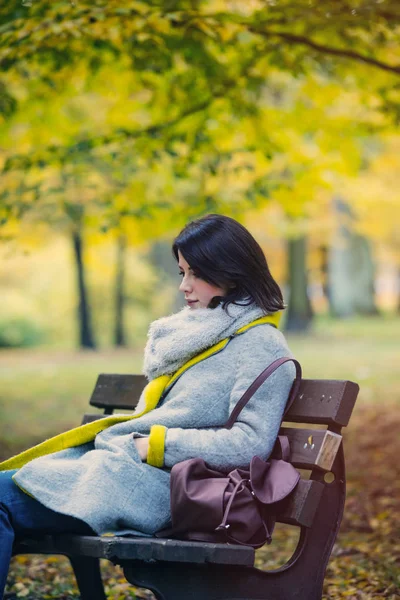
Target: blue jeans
[22,515]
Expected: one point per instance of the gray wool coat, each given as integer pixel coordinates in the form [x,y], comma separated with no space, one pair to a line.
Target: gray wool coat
[105,483]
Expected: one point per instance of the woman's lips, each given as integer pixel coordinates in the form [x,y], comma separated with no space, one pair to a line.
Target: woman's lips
[191,301]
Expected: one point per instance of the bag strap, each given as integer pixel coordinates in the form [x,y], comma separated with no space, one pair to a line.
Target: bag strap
[259,381]
[282,446]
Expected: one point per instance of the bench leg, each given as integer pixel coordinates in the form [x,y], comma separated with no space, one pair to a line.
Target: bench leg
[178,581]
[88,577]
[171,581]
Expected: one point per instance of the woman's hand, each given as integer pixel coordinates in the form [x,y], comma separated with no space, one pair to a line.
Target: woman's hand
[142,445]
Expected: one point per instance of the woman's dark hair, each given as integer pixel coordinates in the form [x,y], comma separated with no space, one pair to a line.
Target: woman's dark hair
[222,252]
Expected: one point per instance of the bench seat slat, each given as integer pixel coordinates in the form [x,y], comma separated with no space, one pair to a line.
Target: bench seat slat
[116,548]
[328,402]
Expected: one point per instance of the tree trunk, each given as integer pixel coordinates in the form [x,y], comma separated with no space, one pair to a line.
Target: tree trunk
[340,286]
[299,312]
[119,331]
[324,253]
[363,276]
[85,328]
[351,271]
[398,285]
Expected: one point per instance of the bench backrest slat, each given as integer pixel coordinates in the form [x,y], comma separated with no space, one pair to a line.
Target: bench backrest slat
[312,448]
[324,401]
[117,391]
[328,402]
[309,448]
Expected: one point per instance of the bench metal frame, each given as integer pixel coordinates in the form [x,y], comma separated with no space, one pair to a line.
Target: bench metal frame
[181,570]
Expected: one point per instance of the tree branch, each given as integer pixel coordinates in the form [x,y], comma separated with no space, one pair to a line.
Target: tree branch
[343,52]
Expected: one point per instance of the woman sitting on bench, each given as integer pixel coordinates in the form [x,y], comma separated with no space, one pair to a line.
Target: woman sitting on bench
[119,480]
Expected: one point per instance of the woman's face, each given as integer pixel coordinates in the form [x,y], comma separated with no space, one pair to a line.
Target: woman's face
[198,292]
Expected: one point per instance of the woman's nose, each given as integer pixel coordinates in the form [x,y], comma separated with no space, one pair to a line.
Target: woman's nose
[185,285]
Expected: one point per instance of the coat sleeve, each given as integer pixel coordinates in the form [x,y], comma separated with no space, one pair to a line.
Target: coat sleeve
[254,433]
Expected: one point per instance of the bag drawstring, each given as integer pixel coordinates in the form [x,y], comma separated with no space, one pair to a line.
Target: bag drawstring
[238,488]
[223,526]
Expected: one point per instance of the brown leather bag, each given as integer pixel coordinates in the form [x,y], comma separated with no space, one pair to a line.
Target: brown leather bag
[236,507]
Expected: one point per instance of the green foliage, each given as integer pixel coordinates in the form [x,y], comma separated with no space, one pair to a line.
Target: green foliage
[8,103]
[19,332]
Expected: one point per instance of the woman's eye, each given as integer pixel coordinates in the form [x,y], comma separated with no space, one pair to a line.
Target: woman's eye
[192,273]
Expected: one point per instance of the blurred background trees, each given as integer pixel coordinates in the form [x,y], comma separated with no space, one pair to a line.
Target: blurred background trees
[119,123]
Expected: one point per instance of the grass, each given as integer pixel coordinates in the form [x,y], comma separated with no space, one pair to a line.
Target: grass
[44,392]
[51,390]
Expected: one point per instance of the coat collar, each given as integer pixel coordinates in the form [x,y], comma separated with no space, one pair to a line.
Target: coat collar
[176,339]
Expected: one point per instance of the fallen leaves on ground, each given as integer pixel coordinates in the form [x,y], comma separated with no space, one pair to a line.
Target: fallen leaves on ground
[365,562]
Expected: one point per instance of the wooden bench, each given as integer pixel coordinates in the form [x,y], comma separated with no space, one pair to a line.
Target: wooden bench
[179,570]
